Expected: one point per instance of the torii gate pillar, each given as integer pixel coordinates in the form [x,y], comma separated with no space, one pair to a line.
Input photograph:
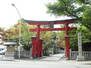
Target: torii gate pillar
[37,44]
[67,42]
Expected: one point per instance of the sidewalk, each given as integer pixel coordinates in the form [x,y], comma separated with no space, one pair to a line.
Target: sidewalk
[52,58]
[60,58]
[55,57]
[77,62]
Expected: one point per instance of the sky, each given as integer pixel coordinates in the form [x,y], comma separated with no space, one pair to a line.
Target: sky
[29,9]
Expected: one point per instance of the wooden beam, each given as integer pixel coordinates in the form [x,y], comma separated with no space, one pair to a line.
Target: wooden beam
[33,22]
[51,29]
[50,22]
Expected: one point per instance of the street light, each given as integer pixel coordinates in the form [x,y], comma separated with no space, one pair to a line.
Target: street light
[18,12]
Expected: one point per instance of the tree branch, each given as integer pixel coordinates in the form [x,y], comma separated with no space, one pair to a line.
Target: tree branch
[66,9]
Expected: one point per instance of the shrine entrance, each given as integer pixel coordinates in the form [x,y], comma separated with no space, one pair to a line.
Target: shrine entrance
[37,42]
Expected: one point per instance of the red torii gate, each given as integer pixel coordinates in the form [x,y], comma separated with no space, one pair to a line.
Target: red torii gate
[37,42]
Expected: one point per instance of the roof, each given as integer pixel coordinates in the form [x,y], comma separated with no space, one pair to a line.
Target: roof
[49,22]
[10,43]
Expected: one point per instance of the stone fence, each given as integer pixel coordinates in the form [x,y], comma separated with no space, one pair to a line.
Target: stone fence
[86,54]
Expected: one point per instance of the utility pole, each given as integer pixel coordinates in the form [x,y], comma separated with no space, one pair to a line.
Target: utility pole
[19,14]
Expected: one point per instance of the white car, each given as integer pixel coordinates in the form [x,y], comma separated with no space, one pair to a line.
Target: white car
[3,49]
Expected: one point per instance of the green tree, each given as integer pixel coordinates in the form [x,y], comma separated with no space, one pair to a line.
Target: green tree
[86,36]
[47,42]
[87,17]
[13,33]
[80,9]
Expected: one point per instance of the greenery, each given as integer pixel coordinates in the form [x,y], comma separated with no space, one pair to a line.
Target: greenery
[86,36]
[79,9]
[13,34]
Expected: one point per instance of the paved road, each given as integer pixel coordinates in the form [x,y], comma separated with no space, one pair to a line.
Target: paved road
[40,64]
[48,62]
[55,57]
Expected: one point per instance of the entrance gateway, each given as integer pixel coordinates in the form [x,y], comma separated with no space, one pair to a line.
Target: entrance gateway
[37,42]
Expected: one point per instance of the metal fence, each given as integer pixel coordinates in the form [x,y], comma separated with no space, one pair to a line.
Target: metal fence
[86,54]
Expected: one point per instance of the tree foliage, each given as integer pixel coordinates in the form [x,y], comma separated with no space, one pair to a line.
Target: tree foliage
[72,8]
[80,9]
[87,18]
[25,39]
[86,37]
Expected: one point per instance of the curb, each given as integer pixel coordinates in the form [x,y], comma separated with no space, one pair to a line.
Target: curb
[77,62]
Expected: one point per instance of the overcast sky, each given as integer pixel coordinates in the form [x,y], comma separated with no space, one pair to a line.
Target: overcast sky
[29,9]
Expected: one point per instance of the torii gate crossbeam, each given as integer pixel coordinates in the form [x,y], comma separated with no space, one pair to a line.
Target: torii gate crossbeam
[37,45]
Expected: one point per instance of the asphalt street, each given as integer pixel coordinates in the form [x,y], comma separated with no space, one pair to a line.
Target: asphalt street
[53,61]
[40,64]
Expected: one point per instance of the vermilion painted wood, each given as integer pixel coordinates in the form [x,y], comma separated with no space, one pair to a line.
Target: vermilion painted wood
[67,41]
[38,44]
[51,29]
[31,22]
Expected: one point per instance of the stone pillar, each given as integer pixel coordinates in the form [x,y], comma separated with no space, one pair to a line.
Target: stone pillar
[80,57]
